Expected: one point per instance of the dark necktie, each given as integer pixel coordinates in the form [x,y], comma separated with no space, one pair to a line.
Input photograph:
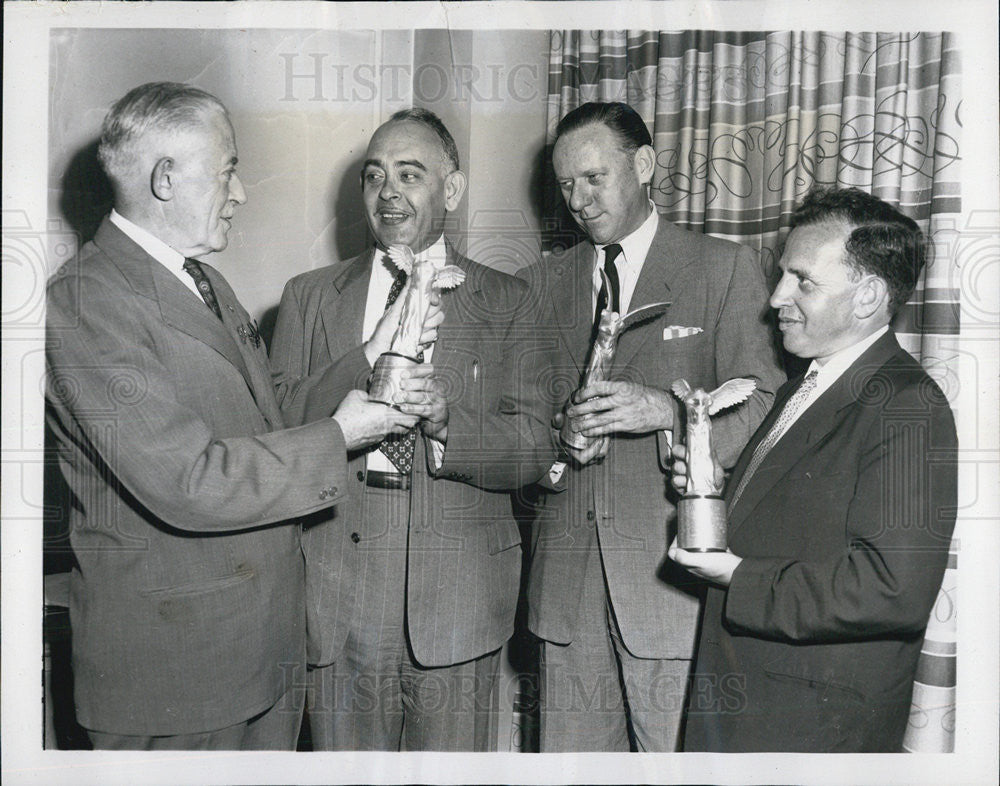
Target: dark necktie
[398,448]
[611,253]
[193,268]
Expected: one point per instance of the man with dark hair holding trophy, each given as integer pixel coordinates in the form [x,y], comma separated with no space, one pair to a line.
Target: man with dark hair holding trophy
[840,509]
[617,626]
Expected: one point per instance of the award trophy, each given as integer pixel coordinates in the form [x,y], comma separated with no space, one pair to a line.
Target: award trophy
[602,354]
[701,512]
[424,279]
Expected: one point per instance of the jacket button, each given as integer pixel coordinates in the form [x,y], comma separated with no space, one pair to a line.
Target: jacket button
[590,515]
[322,494]
[361,476]
[355,537]
[333,491]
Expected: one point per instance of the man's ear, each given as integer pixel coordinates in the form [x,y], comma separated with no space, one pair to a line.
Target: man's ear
[871,295]
[161,179]
[644,162]
[454,188]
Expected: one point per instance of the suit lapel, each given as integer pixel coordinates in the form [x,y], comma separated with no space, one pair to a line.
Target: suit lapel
[238,323]
[179,307]
[808,431]
[657,284]
[572,294]
[457,306]
[344,315]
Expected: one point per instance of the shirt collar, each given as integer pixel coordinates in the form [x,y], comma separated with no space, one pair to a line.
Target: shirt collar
[156,248]
[635,246]
[840,361]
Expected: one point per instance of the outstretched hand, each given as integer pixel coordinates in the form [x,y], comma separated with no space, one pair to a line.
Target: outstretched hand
[365,422]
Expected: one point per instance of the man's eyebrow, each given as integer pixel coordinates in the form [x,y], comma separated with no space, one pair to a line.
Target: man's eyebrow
[414,163]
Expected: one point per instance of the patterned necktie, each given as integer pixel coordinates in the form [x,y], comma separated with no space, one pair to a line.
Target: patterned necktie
[611,253]
[398,448]
[791,407]
[193,268]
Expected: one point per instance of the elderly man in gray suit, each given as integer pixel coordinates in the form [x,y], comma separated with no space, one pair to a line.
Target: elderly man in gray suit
[617,625]
[187,601]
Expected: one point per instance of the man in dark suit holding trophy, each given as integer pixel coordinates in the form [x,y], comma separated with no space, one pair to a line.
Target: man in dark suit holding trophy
[840,509]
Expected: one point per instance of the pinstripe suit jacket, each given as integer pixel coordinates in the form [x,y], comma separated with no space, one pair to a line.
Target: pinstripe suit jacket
[463,563]
[844,530]
[621,505]
[187,608]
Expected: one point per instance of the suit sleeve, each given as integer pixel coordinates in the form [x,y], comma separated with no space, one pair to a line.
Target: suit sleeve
[306,394]
[899,523]
[502,447]
[111,388]
[744,347]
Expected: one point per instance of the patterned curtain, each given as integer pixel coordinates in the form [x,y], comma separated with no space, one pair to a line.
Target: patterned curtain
[745,123]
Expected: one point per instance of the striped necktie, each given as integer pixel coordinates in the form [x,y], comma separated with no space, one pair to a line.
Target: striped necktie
[792,406]
[399,448]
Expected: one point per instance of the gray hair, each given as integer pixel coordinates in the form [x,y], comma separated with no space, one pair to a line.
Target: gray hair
[154,105]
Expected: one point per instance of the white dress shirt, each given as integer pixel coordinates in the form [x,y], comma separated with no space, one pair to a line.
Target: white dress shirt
[833,369]
[629,263]
[383,274]
[635,248]
[171,259]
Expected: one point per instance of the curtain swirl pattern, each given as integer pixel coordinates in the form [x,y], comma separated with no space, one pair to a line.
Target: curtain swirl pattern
[745,123]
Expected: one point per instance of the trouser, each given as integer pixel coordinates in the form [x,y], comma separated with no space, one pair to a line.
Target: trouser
[375,695]
[277,728]
[596,696]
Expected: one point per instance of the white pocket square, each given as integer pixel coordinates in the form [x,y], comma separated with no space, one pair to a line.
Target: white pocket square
[679,331]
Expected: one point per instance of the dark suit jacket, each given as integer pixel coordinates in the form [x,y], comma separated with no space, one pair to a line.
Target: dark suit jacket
[187,610]
[844,530]
[623,505]
[463,557]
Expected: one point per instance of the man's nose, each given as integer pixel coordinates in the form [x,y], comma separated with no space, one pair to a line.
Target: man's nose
[236,192]
[579,198]
[782,292]
[389,189]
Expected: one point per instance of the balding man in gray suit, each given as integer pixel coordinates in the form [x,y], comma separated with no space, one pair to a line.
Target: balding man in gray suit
[187,601]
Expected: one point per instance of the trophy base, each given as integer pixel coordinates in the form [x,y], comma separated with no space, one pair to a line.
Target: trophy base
[384,384]
[701,523]
[574,439]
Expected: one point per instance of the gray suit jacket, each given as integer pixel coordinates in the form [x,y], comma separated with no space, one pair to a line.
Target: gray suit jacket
[187,607]
[623,505]
[463,563]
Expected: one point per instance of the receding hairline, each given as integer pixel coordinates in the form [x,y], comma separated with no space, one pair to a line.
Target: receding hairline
[431,134]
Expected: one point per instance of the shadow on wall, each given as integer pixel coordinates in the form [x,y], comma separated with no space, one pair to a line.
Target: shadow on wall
[350,227]
[86,195]
[559,230]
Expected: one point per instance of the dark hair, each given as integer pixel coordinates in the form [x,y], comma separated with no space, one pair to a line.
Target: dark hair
[622,119]
[427,118]
[163,106]
[883,242]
